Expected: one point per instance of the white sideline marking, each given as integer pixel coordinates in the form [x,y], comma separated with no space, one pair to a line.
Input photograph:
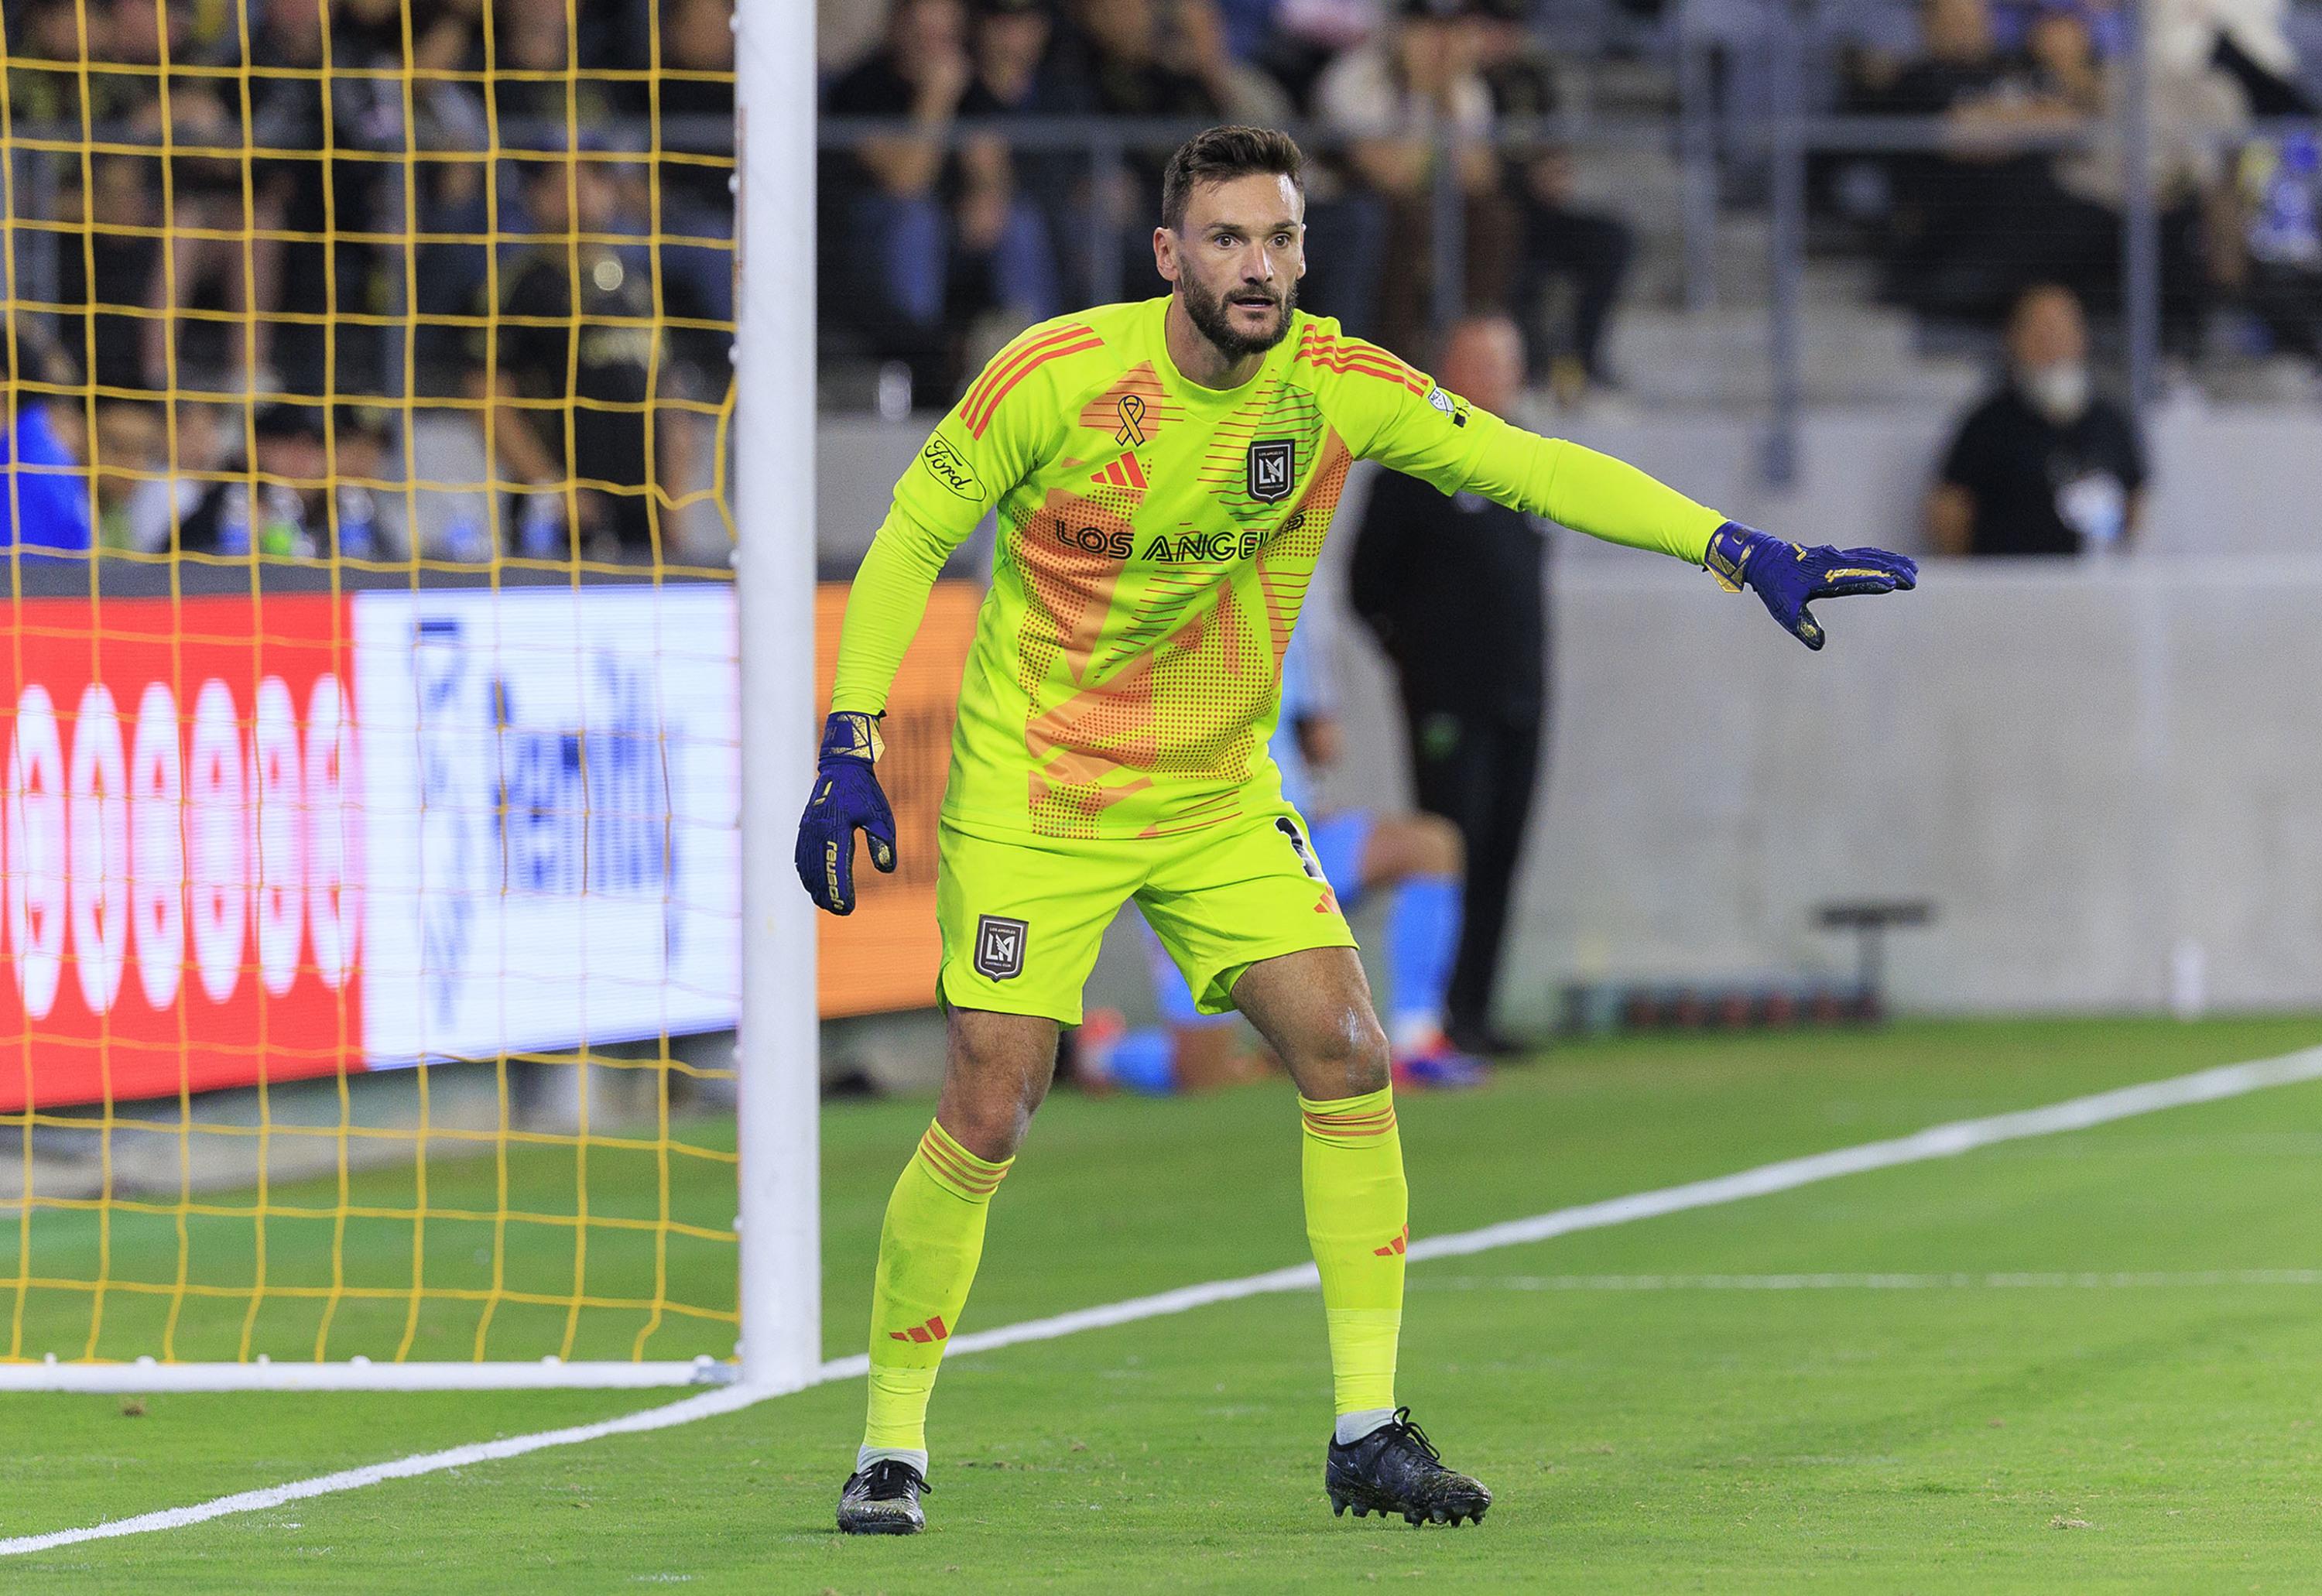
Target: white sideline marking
[2081,1281]
[707,1405]
[1941,1141]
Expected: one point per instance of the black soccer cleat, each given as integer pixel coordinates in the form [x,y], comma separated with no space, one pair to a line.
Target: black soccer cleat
[1395,1469]
[884,1500]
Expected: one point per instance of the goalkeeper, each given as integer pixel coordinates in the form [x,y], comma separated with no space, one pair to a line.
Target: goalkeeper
[1164,474]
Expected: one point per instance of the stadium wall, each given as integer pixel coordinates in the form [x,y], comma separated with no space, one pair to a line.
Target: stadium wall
[2031,746]
[2221,476]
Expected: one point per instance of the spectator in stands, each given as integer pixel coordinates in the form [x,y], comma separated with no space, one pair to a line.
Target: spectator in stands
[1132,69]
[209,210]
[550,351]
[43,491]
[2195,110]
[2043,465]
[311,199]
[148,481]
[1976,220]
[2277,265]
[1017,73]
[1122,49]
[47,30]
[311,488]
[559,88]
[1454,590]
[1993,214]
[129,458]
[1197,43]
[1012,44]
[2248,41]
[697,115]
[1410,98]
[936,236]
[118,270]
[275,500]
[846,32]
[1303,37]
[1565,248]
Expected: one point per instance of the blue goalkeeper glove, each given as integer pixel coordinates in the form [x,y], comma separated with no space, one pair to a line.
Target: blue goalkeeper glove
[1786,575]
[846,799]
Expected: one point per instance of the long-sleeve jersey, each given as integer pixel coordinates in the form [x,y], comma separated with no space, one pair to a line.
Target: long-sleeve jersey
[1157,538]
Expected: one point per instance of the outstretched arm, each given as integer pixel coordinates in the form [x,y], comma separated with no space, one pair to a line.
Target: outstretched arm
[1441,438]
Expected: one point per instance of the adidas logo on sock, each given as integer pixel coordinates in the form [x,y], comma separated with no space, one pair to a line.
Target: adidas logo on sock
[1393,1249]
[935,1330]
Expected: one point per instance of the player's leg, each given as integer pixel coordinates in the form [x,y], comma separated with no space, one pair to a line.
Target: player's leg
[1457,771]
[1020,927]
[1315,1007]
[1508,773]
[1418,861]
[1252,921]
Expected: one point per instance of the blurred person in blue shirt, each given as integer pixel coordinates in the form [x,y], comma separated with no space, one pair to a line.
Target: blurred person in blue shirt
[47,488]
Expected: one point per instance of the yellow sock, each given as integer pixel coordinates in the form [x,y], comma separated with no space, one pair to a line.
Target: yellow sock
[1357,1220]
[927,1253]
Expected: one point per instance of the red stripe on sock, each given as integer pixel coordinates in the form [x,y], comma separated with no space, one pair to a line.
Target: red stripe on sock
[978,1182]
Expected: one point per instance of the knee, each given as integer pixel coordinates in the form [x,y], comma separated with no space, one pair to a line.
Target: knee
[1441,850]
[989,1098]
[1345,1059]
[1411,845]
[990,1124]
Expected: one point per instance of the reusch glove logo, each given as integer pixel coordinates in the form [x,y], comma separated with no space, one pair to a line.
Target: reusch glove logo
[846,799]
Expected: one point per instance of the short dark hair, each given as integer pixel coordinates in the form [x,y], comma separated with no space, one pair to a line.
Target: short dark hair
[1221,153]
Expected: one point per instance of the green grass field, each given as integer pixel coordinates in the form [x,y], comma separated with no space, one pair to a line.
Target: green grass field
[2101,1372]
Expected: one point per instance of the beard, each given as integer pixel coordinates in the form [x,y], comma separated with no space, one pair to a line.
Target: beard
[1213,319]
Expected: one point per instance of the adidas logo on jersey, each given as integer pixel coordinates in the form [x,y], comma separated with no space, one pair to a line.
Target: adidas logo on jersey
[1124,472]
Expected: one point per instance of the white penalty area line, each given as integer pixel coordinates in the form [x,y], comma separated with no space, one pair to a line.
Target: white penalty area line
[1957,1280]
[1941,1141]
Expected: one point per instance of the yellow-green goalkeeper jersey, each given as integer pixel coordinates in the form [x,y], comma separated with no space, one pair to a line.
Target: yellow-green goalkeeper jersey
[1155,541]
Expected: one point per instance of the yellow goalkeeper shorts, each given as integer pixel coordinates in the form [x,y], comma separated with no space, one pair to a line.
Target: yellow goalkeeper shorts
[1022,917]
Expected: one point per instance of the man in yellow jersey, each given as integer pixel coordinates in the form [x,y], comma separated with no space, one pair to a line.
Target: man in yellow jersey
[1164,474]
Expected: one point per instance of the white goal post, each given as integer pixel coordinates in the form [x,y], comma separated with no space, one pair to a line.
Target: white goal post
[778,1208]
[774,510]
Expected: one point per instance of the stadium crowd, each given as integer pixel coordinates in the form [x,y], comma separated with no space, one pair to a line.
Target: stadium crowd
[458,147]
[463,163]
[925,232]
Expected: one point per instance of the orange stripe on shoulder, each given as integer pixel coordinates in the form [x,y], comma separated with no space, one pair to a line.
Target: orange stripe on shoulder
[1006,373]
[976,423]
[998,366]
[1345,355]
[1012,352]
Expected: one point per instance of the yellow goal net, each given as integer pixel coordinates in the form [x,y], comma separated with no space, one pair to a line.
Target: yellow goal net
[369,838]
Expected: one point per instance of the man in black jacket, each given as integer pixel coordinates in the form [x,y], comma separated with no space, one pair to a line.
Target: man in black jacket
[1453,589]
